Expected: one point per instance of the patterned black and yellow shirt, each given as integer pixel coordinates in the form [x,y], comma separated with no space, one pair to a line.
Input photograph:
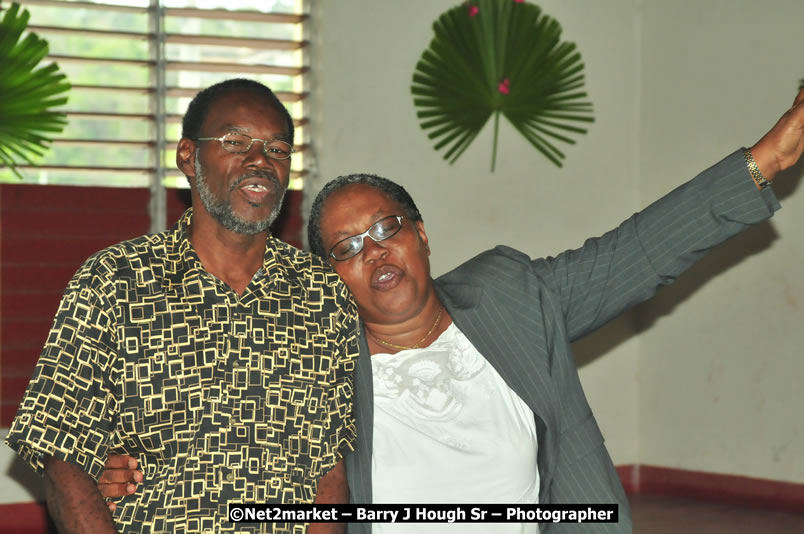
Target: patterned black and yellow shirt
[221,397]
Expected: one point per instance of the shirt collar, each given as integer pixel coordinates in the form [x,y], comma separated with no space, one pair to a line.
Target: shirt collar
[183,265]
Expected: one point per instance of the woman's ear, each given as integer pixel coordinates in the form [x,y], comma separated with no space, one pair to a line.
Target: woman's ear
[423,235]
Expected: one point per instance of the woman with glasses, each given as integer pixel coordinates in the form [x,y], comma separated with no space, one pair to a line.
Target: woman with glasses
[466,388]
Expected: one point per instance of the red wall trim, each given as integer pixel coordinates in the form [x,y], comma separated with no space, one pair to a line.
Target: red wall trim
[629,476]
[732,489]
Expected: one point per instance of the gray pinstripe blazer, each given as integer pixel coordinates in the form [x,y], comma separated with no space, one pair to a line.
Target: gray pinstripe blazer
[522,315]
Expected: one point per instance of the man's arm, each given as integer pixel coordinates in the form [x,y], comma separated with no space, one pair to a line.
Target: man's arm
[73,500]
[120,477]
[332,489]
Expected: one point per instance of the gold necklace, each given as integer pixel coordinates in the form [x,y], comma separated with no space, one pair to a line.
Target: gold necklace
[418,343]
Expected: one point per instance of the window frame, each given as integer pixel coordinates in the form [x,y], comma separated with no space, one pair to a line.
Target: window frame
[158,90]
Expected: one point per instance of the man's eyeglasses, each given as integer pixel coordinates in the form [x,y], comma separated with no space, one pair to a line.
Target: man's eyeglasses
[379,231]
[241,143]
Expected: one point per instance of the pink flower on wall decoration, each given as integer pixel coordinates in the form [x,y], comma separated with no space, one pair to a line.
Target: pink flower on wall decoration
[510,62]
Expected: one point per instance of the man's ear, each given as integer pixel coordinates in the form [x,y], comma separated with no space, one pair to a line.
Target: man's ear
[185,157]
[423,235]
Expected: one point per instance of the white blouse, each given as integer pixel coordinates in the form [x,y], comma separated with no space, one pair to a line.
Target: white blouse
[448,429]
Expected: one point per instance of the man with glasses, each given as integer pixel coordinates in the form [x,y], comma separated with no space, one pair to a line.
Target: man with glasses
[218,356]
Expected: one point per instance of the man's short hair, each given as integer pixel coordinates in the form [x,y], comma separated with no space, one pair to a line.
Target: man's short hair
[391,189]
[199,106]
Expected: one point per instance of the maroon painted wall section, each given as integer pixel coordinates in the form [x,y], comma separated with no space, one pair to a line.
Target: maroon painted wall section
[46,232]
[712,487]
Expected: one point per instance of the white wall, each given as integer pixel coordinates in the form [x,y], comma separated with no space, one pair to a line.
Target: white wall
[18,482]
[365,52]
[720,366]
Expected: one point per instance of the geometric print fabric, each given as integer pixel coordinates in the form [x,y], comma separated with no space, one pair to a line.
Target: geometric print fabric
[222,397]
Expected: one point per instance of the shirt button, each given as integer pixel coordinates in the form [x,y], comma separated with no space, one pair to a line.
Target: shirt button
[229,477]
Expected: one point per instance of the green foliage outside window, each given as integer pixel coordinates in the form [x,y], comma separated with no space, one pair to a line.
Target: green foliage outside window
[130,75]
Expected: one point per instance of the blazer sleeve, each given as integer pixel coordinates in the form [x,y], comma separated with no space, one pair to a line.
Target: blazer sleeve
[625,266]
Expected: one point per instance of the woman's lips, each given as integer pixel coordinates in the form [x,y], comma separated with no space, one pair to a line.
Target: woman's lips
[386,277]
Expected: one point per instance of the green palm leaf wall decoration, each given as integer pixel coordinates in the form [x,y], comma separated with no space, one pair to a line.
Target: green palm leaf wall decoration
[27,93]
[492,57]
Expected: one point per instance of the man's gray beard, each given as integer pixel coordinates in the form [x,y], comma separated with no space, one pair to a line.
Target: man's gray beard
[221,209]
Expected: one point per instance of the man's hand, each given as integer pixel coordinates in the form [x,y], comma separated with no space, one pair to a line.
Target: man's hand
[781,147]
[119,478]
[73,500]
[332,489]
